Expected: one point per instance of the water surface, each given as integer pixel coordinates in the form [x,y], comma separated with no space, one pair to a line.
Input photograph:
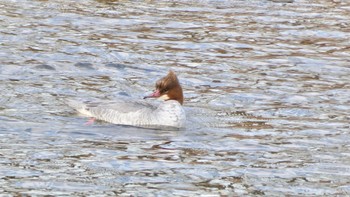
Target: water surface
[266,86]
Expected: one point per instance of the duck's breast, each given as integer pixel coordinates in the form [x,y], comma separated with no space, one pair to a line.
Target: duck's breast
[171,113]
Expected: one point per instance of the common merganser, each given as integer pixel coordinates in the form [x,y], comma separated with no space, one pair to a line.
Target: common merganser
[168,114]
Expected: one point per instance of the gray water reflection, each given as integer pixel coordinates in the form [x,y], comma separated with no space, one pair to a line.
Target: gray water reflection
[266,85]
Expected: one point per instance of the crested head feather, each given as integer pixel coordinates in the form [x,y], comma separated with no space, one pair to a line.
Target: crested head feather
[170,88]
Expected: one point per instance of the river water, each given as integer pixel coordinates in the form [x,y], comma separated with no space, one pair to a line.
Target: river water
[267,87]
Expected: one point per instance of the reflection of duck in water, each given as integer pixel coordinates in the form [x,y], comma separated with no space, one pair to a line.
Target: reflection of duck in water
[169,113]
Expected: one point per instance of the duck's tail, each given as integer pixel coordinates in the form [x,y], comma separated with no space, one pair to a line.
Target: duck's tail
[80,106]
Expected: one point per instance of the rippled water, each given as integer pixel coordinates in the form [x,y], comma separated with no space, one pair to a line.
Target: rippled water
[266,84]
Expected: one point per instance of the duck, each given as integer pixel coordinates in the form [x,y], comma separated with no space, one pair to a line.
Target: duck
[169,113]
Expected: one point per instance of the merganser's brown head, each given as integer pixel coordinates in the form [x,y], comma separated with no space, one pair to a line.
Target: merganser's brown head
[168,88]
